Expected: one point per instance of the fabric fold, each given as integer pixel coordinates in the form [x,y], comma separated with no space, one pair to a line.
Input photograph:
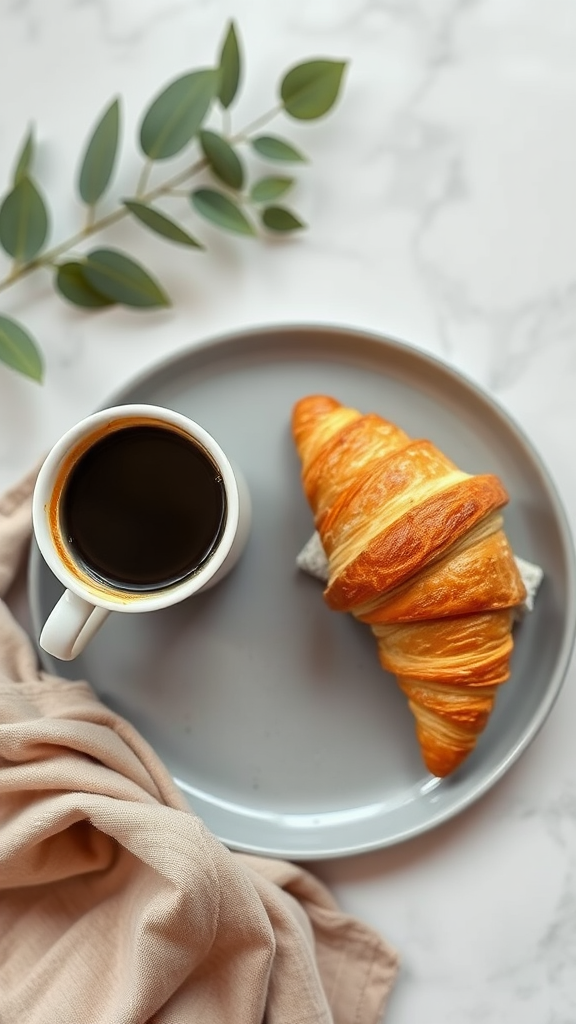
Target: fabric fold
[117,905]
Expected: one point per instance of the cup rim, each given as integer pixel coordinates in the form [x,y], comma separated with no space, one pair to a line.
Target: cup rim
[131,601]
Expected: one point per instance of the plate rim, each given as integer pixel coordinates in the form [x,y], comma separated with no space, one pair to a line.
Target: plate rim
[205,348]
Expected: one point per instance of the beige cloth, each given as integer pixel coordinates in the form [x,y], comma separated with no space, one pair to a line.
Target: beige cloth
[117,906]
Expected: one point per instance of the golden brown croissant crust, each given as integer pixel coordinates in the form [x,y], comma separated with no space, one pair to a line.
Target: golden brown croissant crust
[416,549]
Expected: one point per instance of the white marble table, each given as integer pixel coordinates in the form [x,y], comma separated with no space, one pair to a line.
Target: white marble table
[440,199]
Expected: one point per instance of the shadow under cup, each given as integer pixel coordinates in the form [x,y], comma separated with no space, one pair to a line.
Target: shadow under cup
[138,507]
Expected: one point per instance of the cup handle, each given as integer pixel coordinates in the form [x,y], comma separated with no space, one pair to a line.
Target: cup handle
[70,625]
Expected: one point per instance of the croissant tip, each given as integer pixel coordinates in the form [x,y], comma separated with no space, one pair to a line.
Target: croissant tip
[314,405]
[443,762]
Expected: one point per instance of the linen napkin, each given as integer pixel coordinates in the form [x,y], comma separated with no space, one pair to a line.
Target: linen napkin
[117,905]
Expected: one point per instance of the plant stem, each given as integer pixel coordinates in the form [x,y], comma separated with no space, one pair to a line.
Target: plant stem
[143,179]
[90,217]
[94,225]
[259,122]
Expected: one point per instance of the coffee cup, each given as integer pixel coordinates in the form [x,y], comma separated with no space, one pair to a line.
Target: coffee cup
[135,508]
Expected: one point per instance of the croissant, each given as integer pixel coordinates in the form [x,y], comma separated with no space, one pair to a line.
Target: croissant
[416,549]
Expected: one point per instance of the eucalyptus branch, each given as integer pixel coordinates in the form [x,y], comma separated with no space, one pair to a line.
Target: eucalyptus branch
[176,118]
[51,256]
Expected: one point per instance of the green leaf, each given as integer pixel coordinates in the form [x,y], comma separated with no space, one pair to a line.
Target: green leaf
[18,350]
[224,162]
[267,189]
[278,218]
[23,221]
[272,148]
[161,224]
[309,90]
[24,159]
[177,113]
[221,210]
[73,286]
[121,279]
[229,67]
[100,156]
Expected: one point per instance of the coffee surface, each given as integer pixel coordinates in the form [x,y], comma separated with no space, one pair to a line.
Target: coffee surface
[143,508]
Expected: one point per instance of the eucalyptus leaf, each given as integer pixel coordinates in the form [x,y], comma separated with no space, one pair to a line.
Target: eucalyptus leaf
[221,210]
[278,218]
[177,113]
[224,162]
[18,350]
[229,67]
[73,286]
[23,221]
[273,148]
[100,156]
[267,189]
[120,278]
[309,90]
[24,158]
[161,224]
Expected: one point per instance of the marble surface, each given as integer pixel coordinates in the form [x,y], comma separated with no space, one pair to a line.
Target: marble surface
[441,211]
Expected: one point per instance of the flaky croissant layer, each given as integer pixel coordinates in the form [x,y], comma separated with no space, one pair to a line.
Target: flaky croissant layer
[416,549]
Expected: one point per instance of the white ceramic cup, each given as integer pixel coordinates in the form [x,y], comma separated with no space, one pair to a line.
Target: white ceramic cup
[88,599]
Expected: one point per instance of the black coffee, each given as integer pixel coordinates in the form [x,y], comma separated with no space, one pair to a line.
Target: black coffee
[143,508]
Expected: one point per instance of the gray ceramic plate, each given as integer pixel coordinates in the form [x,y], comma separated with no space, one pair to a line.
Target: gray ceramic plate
[270,710]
